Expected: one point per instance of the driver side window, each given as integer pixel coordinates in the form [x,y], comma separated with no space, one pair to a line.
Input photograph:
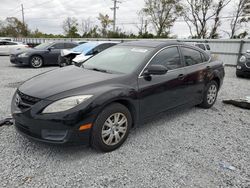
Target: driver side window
[169,57]
[58,46]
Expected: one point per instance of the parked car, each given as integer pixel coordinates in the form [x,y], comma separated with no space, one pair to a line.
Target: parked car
[243,65]
[6,47]
[43,54]
[99,102]
[80,42]
[204,46]
[83,52]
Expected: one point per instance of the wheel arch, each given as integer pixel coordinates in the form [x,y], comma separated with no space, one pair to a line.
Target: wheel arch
[39,55]
[128,104]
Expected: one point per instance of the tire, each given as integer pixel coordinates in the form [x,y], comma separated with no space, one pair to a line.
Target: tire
[108,135]
[210,95]
[36,61]
[239,75]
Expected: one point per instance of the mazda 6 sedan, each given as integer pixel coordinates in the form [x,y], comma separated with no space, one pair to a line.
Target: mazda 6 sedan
[98,103]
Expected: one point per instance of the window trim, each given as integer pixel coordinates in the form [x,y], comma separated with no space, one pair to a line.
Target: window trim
[164,48]
[196,50]
[179,49]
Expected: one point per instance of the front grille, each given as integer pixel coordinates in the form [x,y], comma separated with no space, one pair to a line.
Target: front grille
[27,99]
[248,64]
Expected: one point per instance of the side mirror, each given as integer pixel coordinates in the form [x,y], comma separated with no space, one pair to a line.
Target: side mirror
[51,48]
[155,70]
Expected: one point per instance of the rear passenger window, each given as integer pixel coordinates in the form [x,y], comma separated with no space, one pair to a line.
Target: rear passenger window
[69,45]
[170,58]
[191,56]
[206,57]
[201,46]
[58,46]
[11,43]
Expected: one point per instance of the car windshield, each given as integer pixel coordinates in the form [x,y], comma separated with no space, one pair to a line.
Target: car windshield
[85,48]
[119,59]
[43,45]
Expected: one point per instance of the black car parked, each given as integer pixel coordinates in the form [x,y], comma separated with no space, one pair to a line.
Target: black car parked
[243,66]
[43,54]
[99,102]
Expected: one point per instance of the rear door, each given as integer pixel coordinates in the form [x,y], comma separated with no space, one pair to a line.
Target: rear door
[163,92]
[197,71]
[52,55]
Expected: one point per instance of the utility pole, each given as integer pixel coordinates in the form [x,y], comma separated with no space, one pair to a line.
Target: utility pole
[114,15]
[22,13]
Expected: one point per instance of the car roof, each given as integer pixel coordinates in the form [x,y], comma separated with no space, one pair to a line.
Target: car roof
[151,43]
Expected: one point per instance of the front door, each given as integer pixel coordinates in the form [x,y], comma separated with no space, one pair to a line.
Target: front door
[163,92]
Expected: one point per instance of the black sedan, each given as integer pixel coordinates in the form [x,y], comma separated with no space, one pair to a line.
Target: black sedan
[43,54]
[243,66]
[112,92]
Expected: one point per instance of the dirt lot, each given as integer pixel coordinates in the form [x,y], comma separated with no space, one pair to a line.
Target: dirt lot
[189,147]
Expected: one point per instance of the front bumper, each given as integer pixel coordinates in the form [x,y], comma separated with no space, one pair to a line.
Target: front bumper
[19,60]
[54,129]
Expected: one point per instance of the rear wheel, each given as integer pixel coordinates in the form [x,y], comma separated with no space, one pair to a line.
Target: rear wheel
[210,95]
[36,61]
[111,127]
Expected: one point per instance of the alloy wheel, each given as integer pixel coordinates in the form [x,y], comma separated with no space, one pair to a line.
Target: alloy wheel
[36,62]
[114,129]
[211,94]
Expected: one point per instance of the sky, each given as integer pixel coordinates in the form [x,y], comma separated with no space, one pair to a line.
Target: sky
[48,15]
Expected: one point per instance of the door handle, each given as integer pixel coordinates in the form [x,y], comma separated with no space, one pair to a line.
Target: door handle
[208,67]
[181,76]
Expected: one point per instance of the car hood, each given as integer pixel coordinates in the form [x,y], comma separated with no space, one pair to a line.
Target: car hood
[66,52]
[64,79]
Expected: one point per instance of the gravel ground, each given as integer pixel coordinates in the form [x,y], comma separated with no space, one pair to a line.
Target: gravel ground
[186,148]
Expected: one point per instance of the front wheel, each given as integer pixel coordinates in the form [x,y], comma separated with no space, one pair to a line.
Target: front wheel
[36,61]
[111,128]
[210,95]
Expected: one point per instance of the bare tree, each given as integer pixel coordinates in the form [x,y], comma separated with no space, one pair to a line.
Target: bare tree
[197,14]
[217,22]
[86,26]
[239,16]
[143,24]
[70,27]
[163,14]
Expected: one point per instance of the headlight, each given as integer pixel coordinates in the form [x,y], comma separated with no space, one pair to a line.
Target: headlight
[66,104]
[243,59]
[23,55]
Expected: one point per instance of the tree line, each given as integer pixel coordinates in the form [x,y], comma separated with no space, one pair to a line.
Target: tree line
[203,18]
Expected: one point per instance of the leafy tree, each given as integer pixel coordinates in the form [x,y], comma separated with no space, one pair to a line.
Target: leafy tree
[105,23]
[70,27]
[12,27]
[163,14]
